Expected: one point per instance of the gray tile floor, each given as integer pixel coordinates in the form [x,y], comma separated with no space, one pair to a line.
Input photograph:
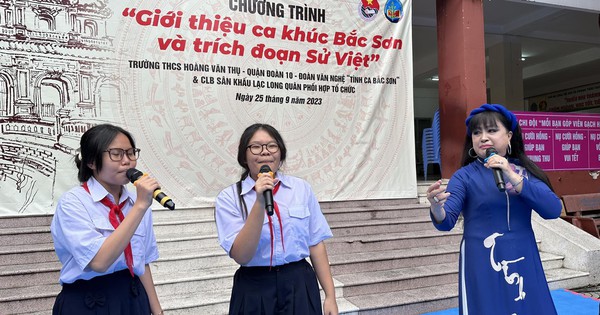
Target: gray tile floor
[592,291]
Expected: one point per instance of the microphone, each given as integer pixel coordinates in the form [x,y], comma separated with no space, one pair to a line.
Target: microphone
[133,175]
[497,172]
[267,194]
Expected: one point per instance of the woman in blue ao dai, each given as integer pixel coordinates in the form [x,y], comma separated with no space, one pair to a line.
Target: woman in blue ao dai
[500,270]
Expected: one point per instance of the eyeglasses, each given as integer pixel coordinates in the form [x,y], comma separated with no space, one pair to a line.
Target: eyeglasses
[257,149]
[116,154]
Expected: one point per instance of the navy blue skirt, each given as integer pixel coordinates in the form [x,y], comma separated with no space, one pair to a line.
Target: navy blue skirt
[287,289]
[116,293]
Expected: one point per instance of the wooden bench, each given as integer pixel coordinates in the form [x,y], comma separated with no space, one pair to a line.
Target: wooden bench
[583,211]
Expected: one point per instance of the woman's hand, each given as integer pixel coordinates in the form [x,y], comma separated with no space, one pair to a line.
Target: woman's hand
[436,194]
[499,162]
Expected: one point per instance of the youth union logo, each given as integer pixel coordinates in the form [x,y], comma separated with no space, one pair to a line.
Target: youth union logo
[368,9]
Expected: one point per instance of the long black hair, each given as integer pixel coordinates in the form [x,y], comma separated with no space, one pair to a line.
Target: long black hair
[94,142]
[487,119]
[245,140]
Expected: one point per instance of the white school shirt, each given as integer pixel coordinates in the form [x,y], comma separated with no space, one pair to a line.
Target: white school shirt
[80,225]
[303,222]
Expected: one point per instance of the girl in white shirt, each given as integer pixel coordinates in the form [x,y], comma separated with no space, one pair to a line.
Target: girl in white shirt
[103,233]
[274,277]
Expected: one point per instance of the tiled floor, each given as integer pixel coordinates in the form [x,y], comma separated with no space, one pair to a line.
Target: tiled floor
[593,292]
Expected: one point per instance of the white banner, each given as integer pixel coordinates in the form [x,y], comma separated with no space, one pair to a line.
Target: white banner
[187,77]
[574,99]
[588,5]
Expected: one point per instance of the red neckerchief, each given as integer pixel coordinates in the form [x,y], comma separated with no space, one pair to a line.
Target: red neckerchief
[276,208]
[115,216]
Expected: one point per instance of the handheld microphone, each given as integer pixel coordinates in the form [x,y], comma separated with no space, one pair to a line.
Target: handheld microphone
[497,172]
[133,175]
[267,194]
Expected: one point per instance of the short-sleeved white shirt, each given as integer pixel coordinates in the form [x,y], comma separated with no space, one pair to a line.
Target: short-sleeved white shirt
[304,224]
[80,225]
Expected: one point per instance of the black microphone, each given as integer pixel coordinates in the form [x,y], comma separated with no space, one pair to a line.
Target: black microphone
[166,201]
[268,194]
[497,172]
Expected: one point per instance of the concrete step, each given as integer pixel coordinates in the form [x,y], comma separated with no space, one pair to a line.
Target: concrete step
[376,212]
[208,291]
[25,235]
[408,302]
[25,275]
[213,299]
[45,312]
[217,303]
[189,241]
[551,261]
[175,225]
[210,302]
[381,281]
[37,298]
[179,259]
[388,241]
[27,254]
[366,203]
[159,215]
[199,281]
[34,253]
[567,278]
[381,226]
[343,264]
[25,221]
[430,299]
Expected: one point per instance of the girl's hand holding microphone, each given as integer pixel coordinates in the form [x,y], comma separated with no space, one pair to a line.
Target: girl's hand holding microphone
[145,187]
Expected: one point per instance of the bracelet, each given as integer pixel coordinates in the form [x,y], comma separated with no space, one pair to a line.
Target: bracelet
[517,184]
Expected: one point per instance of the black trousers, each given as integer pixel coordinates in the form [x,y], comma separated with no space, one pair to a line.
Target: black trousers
[289,289]
[116,293]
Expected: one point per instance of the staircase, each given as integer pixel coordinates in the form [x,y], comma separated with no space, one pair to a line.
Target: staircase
[385,256]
